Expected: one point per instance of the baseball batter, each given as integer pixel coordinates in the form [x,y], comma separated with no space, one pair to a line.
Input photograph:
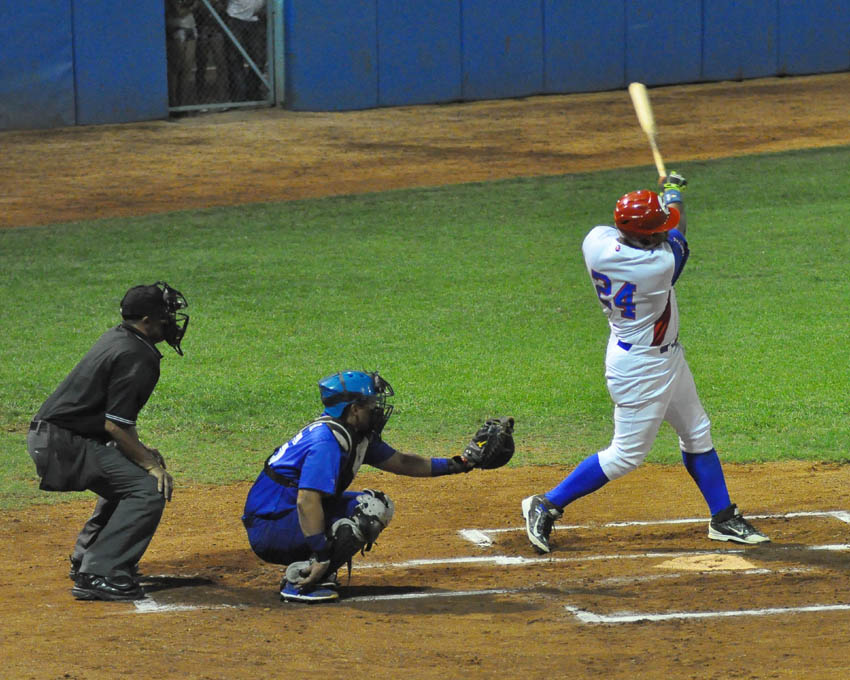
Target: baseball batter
[634,267]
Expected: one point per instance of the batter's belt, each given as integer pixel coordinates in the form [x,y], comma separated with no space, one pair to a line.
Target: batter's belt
[661,350]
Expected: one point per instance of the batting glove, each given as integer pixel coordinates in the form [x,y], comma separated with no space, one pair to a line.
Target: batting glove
[674,181]
[673,185]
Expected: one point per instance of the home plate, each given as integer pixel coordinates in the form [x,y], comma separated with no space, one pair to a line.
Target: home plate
[717,562]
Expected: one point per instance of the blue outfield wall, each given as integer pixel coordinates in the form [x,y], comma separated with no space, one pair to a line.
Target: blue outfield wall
[66,62]
[448,50]
[502,43]
[582,52]
[36,65]
[120,64]
[419,52]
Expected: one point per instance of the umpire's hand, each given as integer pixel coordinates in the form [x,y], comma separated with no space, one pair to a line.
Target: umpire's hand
[164,481]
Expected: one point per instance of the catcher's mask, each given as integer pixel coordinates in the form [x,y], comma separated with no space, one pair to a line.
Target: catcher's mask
[639,214]
[161,301]
[340,390]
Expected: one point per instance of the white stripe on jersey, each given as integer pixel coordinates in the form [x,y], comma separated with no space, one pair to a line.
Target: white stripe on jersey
[634,286]
[119,419]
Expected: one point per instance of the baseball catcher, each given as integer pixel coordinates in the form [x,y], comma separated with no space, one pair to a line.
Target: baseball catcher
[300,513]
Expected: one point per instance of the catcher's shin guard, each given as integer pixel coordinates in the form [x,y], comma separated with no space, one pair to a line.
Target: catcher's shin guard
[357,533]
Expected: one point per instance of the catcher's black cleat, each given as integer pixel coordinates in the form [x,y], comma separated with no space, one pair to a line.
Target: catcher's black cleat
[289,592]
[330,581]
[94,587]
[539,515]
[729,525]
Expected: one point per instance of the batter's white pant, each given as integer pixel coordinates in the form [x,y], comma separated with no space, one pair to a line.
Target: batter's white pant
[649,387]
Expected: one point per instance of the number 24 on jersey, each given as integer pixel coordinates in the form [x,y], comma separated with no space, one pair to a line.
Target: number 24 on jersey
[624,298]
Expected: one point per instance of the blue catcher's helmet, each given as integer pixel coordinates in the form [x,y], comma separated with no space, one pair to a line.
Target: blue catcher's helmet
[347,387]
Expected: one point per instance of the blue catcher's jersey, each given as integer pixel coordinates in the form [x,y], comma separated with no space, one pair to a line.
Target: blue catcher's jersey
[312,459]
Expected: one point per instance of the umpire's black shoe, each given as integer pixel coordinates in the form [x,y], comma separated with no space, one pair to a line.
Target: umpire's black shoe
[540,515]
[114,588]
[75,569]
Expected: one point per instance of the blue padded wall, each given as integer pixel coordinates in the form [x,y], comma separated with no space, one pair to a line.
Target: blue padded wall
[119,56]
[739,39]
[419,52]
[663,41]
[331,54]
[65,62]
[584,45]
[813,36]
[36,76]
[502,48]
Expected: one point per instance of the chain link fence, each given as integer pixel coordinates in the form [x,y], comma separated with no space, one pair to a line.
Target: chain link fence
[218,54]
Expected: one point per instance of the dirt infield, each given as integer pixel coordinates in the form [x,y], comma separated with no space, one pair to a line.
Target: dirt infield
[414,609]
[633,589]
[238,157]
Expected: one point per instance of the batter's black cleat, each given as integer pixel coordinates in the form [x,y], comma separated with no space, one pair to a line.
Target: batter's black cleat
[112,589]
[729,525]
[539,515]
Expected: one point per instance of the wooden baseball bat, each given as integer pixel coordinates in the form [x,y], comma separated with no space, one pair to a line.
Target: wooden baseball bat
[643,109]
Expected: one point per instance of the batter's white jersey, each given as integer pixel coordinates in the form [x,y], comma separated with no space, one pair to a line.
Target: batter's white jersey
[635,286]
[646,372]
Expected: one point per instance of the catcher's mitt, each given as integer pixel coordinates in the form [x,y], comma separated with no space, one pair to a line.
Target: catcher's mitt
[493,444]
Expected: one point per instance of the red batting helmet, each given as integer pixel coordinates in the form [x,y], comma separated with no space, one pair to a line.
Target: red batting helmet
[641,213]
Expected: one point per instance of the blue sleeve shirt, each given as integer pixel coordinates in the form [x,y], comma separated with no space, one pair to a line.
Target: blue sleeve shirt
[312,459]
[679,245]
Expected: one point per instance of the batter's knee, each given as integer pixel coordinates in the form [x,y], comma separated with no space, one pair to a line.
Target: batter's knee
[698,438]
[616,461]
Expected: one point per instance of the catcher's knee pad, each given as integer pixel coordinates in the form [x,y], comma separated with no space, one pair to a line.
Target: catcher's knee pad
[357,533]
[375,509]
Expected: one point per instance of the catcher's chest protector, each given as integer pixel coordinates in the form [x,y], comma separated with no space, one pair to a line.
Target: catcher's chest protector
[350,465]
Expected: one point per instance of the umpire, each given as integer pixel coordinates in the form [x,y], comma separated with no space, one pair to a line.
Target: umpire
[84,437]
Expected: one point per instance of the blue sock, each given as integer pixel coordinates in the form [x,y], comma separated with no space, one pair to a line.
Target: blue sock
[708,474]
[585,479]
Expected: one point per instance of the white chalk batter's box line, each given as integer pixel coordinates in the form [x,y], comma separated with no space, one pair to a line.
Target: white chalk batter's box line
[584,616]
[484,537]
[149,605]
[520,561]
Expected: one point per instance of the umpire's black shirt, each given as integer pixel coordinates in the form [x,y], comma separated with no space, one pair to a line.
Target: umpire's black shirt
[112,381]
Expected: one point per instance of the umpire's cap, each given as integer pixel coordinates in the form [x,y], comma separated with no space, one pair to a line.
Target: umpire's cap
[142,301]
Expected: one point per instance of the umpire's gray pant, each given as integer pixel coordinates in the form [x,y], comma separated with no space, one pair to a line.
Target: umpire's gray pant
[128,511]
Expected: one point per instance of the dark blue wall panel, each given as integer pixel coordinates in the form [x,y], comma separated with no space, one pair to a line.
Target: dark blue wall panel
[663,41]
[813,36]
[584,45]
[418,52]
[331,54]
[36,65]
[119,56]
[99,61]
[502,48]
[739,39]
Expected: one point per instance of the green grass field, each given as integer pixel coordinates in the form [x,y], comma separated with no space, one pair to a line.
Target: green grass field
[472,300]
